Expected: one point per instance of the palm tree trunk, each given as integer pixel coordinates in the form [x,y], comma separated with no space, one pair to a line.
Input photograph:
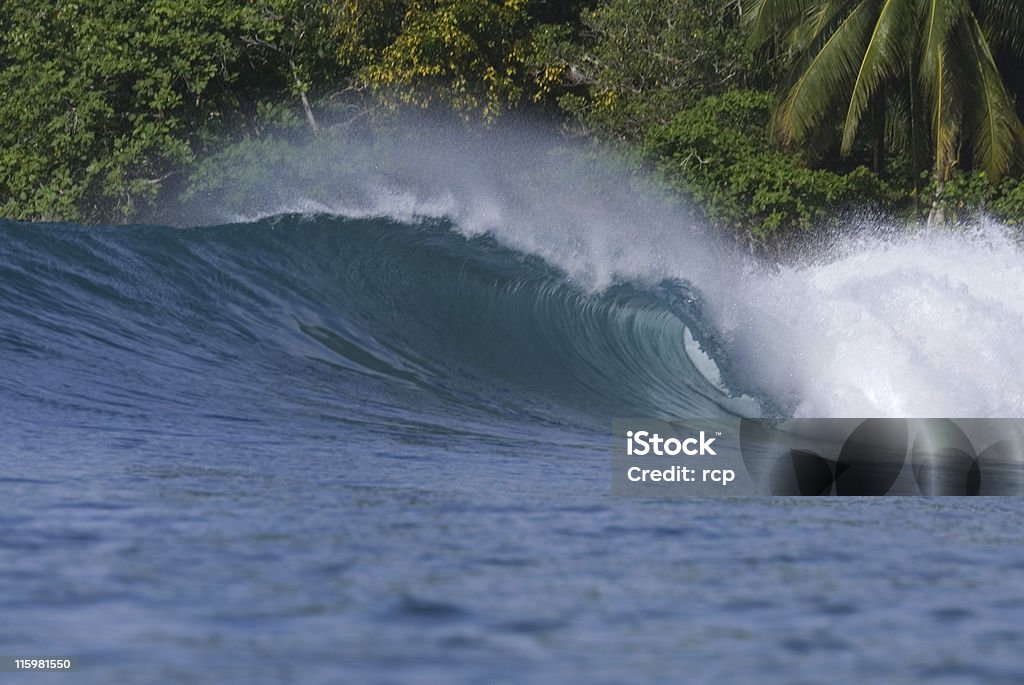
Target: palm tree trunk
[937,215]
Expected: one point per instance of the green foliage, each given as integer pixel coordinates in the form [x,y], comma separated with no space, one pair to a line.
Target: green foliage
[968,196]
[109,99]
[311,43]
[963,196]
[930,61]
[1008,204]
[465,54]
[637,62]
[99,97]
[716,152]
[110,103]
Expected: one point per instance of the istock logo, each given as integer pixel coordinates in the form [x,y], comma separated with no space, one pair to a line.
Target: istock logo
[644,443]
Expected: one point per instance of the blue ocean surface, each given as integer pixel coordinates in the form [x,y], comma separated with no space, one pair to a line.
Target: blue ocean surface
[317,449]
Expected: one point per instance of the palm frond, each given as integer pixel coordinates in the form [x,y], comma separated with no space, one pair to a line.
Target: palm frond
[884,57]
[939,17]
[995,129]
[1002,22]
[930,63]
[898,115]
[766,18]
[830,71]
[821,15]
[946,112]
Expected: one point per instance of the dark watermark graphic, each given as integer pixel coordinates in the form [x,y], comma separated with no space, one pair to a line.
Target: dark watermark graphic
[818,457]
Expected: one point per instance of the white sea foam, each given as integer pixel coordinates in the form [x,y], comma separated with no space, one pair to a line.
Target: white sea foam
[922,325]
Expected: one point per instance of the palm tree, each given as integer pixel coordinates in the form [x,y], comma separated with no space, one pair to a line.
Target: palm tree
[930,61]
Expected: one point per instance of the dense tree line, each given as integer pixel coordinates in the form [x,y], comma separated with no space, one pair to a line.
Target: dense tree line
[771,115]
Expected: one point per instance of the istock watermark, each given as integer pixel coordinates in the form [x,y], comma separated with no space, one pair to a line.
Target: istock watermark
[642,443]
[817,457]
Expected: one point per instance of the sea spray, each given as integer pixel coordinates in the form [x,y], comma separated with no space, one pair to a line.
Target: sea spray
[886,321]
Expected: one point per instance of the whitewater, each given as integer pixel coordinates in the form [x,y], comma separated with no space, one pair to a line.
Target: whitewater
[345,416]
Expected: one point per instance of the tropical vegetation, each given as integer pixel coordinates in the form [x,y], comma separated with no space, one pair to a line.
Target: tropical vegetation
[921,74]
[771,116]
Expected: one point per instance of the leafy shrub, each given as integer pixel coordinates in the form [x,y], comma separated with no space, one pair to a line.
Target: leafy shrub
[717,153]
[635,63]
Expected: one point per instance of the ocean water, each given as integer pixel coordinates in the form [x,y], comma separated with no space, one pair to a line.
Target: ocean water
[371,444]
